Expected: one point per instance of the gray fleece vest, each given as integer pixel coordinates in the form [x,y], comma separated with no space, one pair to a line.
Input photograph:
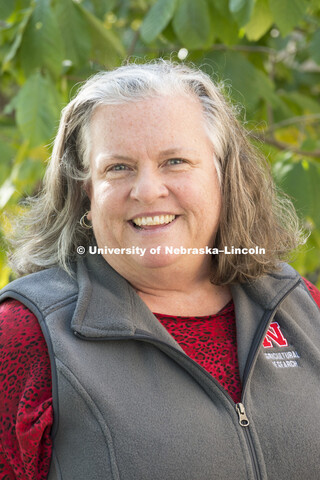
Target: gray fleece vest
[129,404]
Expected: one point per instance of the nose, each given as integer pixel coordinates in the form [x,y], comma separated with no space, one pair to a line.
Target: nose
[148,187]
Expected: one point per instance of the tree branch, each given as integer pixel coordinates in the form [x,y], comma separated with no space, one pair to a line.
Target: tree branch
[313,117]
[245,48]
[284,146]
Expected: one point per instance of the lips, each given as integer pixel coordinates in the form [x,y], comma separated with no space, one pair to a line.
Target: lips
[153,220]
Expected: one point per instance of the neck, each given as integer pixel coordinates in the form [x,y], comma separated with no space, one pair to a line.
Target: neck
[193,298]
[181,289]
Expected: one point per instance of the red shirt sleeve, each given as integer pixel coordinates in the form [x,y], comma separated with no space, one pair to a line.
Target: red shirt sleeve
[315,293]
[26,413]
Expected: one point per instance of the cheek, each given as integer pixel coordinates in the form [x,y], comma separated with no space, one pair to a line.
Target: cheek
[108,209]
[105,199]
[203,198]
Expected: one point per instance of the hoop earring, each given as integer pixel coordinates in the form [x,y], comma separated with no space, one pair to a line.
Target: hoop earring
[83,223]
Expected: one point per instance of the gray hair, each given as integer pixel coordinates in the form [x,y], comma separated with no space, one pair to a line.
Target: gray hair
[252,213]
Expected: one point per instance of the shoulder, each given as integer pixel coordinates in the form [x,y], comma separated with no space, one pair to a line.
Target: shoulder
[41,290]
[269,290]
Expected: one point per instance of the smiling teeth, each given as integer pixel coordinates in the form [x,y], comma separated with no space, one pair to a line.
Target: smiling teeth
[157,220]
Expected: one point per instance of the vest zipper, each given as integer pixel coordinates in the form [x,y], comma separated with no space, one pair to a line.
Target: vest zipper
[253,353]
[243,419]
[244,422]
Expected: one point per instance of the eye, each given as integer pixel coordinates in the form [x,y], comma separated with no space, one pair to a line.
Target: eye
[176,161]
[118,167]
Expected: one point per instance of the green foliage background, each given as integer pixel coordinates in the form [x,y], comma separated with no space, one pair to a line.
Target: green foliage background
[267,53]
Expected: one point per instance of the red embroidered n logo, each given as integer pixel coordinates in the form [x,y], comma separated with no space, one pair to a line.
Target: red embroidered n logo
[274,333]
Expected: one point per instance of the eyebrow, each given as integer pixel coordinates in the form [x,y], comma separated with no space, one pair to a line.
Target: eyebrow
[163,153]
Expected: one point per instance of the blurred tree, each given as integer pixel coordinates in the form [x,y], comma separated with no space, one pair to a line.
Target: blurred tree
[266,52]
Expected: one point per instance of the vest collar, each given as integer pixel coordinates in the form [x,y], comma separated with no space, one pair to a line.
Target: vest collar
[108,306]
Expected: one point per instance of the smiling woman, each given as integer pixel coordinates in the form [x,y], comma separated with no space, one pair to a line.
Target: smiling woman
[112,111]
[145,358]
[152,198]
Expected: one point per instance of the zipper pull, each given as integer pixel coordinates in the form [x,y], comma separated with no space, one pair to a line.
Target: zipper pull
[243,419]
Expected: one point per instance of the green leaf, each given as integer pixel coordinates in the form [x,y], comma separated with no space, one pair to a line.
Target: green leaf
[224,26]
[106,46]
[305,103]
[30,173]
[7,189]
[7,153]
[248,84]
[75,32]
[17,41]
[288,13]
[301,181]
[236,5]
[315,47]
[191,23]
[222,7]
[241,10]
[306,260]
[37,110]
[260,21]
[157,19]
[42,45]
[21,4]
[101,7]
[6,8]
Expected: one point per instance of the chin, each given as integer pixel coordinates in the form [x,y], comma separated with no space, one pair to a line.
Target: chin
[157,260]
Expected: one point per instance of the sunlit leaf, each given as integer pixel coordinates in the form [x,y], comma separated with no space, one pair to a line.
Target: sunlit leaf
[6,8]
[5,272]
[260,22]
[6,191]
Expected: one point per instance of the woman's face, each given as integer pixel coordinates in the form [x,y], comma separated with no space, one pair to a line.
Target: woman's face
[154,183]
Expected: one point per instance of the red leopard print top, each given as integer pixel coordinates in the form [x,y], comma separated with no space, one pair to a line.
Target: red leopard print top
[211,342]
[26,413]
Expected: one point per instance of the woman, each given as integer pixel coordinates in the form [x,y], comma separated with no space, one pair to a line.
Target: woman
[153,183]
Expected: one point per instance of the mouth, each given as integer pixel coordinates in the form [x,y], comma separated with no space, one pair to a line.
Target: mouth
[157,220]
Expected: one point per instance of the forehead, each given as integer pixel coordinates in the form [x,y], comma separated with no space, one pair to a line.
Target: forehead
[163,114]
